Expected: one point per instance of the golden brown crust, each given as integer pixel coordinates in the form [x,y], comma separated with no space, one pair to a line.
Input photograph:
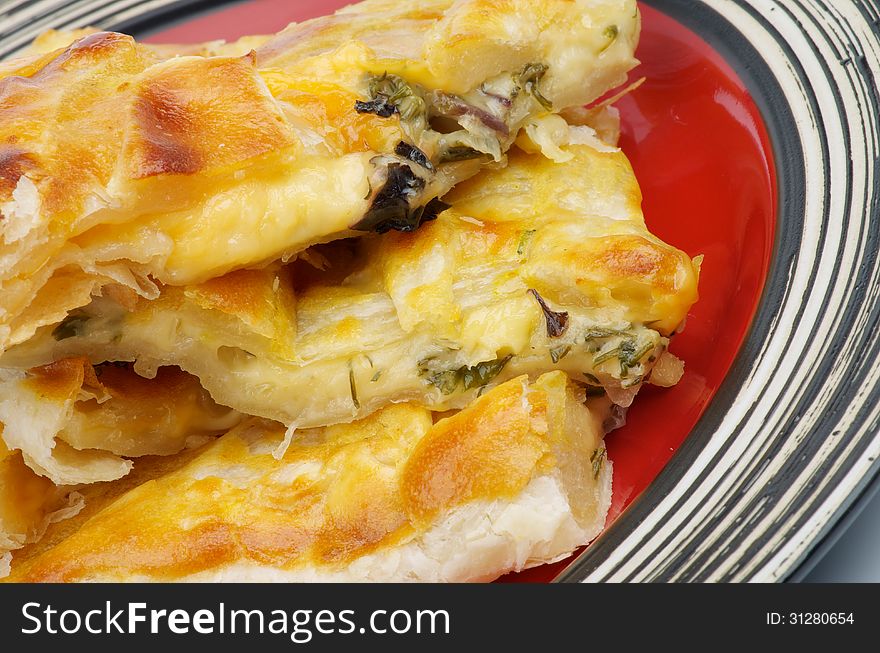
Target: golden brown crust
[62,380]
[262,299]
[489,450]
[14,162]
[200,114]
[338,494]
[25,498]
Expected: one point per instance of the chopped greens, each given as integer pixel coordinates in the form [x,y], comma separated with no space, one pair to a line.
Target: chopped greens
[524,241]
[414,154]
[596,339]
[446,381]
[376,376]
[631,354]
[602,333]
[558,353]
[557,322]
[598,459]
[390,94]
[528,79]
[459,153]
[468,377]
[71,326]
[481,373]
[352,386]
[391,205]
[592,378]
[606,356]
[628,353]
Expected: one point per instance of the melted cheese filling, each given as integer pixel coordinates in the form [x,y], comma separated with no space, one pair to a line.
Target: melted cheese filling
[437,316]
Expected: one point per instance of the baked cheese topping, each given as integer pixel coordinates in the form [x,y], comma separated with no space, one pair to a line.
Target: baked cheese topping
[119,167]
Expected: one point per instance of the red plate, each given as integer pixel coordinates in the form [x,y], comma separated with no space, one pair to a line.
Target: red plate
[704,162]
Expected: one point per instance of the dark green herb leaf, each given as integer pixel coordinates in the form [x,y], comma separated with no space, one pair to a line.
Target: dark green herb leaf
[602,333]
[459,153]
[529,78]
[606,356]
[524,241]
[414,154]
[71,326]
[481,373]
[446,381]
[376,376]
[631,354]
[557,322]
[389,94]
[391,206]
[592,379]
[353,387]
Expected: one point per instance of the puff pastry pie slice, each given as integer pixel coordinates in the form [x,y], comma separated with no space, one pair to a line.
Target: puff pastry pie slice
[28,505]
[539,266]
[119,167]
[75,423]
[514,480]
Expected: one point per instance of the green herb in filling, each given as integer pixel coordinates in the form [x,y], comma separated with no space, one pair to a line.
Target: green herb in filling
[481,373]
[598,459]
[468,377]
[606,356]
[558,353]
[459,153]
[390,94]
[524,241]
[446,381]
[71,326]
[611,32]
[528,79]
[631,354]
[598,332]
[353,387]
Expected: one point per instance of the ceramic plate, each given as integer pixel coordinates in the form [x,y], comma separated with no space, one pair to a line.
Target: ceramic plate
[755,140]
